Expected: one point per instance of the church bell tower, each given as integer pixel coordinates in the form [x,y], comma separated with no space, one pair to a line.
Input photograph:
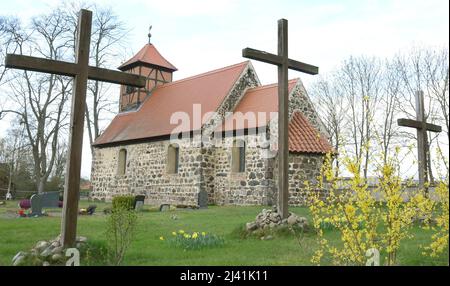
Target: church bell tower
[148,62]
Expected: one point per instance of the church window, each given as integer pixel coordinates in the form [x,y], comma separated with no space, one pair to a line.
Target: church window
[238,156]
[173,154]
[122,162]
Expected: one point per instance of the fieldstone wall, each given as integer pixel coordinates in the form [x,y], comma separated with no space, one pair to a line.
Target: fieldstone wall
[303,167]
[200,169]
[300,101]
[254,186]
[146,173]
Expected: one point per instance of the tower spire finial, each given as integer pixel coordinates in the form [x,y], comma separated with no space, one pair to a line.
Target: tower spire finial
[149,34]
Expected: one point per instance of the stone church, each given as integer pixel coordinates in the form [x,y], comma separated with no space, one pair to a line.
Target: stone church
[224,153]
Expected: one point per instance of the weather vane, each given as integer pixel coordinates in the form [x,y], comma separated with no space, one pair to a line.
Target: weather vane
[149,34]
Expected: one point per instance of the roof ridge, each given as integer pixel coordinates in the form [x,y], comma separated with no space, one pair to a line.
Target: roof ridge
[156,50]
[138,58]
[200,75]
[270,85]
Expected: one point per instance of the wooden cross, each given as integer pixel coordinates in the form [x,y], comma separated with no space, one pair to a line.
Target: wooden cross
[283,63]
[81,71]
[422,141]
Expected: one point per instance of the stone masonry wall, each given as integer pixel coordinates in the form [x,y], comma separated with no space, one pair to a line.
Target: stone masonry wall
[248,79]
[254,186]
[300,101]
[302,167]
[146,173]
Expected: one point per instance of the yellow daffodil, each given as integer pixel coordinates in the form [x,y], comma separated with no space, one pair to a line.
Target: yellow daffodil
[194,235]
[181,231]
[174,233]
[161,238]
[204,233]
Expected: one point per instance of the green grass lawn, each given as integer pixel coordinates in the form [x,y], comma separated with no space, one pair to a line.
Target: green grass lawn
[147,249]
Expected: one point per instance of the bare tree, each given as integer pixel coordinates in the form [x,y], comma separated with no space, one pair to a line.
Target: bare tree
[426,70]
[60,161]
[438,82]
[387,111]
[108,34]
[15,145]
[10,35]
[331,106]
[360,79]
[39,99]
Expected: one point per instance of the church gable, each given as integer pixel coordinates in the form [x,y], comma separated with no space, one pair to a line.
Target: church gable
[300,101]
[247,80]
[257,112]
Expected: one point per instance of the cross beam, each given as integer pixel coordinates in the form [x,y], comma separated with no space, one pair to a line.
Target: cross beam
[81,71]
[422,127]
[277,60]
[284,63]
[71,69]
[418,125]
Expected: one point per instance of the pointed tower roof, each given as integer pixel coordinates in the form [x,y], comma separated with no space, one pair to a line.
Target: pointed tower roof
[148,55]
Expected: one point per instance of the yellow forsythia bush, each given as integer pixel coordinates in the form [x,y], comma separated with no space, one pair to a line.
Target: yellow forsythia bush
[369,218]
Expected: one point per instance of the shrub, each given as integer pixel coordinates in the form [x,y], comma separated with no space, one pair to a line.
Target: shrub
[123,202]
[94,253]
[121,227]
[362,221]
[439,238]
[195,240]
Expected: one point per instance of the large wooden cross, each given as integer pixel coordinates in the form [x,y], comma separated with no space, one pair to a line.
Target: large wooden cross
[422,141]
[81,71]
[283,63]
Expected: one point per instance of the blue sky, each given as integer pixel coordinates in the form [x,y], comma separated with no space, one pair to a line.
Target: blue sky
[197,36]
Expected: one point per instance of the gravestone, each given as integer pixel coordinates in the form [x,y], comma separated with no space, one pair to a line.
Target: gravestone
[164,207]
[44,200]
[139,202]
[202,199]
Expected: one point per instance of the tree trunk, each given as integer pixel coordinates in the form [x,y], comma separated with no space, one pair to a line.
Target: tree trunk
[40,185]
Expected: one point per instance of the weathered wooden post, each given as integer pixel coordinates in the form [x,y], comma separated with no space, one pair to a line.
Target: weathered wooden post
[284,63]
[421,125]
[81,71]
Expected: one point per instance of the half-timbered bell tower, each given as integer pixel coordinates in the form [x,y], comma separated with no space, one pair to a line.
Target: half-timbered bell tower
[149,63]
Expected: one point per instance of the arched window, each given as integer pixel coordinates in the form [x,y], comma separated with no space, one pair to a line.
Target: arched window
[122,162]
[173,153]
[238,156]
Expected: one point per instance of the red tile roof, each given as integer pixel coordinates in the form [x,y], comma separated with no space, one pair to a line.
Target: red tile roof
[152,119]
[149,55]
[304,138]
